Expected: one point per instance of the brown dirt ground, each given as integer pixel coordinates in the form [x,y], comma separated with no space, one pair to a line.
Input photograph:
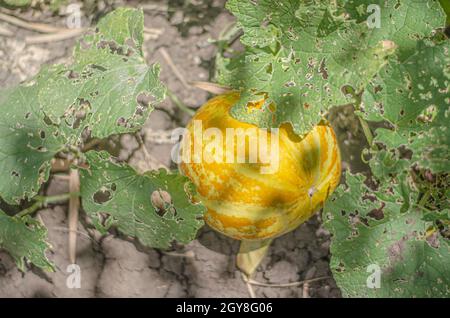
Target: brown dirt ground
[113,266]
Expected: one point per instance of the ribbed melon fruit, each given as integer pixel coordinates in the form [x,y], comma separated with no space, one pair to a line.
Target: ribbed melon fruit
[246,204]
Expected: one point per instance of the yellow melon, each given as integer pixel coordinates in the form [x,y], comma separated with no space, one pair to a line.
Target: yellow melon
[243,202]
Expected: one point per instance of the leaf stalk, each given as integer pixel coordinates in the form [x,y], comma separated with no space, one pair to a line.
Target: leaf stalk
[43,201]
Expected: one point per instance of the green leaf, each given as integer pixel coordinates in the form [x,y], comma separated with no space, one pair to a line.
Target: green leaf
[443,215]
[124,27]
[108,89]
[27,144]
[413,97]
[404,90]
[372,228]
[116,195]
[109,85]
[404,21]
[387,164]
[307,56]
[309,61]
[25,240]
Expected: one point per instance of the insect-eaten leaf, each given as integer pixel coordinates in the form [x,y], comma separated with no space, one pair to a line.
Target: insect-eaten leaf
[311,56]
[108,89]
[154,207]
[27,144]
[303,55]
[25,240]
[382,249]
[414,98]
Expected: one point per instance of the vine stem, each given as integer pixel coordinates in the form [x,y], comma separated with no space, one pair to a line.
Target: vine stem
[425,198]
[367,131]
[180,104]
[365,126]
[42,201]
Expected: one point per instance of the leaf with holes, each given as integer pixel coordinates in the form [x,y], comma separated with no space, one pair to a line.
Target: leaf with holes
[404,21]
[413,97]
[27,143]
[154,207]
[107,90]
[311,59]
[381,237]
[25,240]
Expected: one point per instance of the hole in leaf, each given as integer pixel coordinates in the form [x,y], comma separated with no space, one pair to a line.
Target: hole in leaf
[72,75]
[161,201]
[377,89]
[347,90]
[114,48]
[102,196]
[323,69]
[364,221]
[377,214]
[98,67]
[404,153]
[144,99]
[94,94]
[139,111]
[340,268]
[289,84]
[121,122]
[130,43]
[48,121]
[428,114]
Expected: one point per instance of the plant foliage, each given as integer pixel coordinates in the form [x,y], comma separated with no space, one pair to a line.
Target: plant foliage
[309,56]
[106,89]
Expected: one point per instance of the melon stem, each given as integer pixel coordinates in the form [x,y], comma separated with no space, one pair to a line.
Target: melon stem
[251,254]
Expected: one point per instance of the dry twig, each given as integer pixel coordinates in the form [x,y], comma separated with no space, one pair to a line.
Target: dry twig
[249,286]
[212,88]
[153,31]
[74,205]
[53,34]
[174,68]
[39,27]
[294,284]
[54,37]
[187,254]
